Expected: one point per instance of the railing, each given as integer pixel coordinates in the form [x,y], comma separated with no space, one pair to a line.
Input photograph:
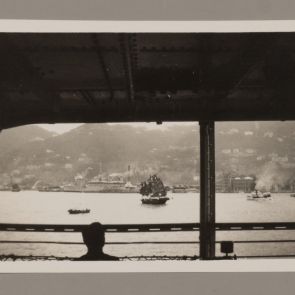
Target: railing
[148,227]
[151,228]
[107,227]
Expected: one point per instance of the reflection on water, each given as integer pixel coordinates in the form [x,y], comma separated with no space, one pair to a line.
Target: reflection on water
[52,208]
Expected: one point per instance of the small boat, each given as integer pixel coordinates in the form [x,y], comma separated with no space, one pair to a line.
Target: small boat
[77,211]
[257,195]
[179,189]
[153,191]
[50,189]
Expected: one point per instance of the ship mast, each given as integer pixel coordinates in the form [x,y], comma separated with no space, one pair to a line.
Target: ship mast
[128,175]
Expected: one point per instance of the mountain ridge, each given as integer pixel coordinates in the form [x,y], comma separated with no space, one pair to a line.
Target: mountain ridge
[30,154]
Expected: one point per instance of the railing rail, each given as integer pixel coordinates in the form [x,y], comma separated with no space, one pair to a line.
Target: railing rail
[255,226]
[144,242]
[248,226]
[107,227]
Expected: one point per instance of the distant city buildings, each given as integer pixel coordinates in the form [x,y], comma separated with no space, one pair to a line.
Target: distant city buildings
[244,184]
[235,184]
[224,184]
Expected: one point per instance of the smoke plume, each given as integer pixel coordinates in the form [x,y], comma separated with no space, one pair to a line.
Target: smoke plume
[274,175]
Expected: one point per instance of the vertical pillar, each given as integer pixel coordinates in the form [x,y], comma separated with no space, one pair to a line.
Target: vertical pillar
[207,190]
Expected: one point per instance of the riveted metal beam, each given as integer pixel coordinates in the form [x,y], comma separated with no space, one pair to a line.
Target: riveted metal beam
[88,97]
[28,77]
[103,64]
[127,62]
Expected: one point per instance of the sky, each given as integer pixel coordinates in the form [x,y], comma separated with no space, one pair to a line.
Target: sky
[59,128]
[62,128]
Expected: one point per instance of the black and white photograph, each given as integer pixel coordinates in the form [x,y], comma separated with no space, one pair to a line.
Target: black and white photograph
[147,146]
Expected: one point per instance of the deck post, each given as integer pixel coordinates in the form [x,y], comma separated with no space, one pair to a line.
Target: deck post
[207,190]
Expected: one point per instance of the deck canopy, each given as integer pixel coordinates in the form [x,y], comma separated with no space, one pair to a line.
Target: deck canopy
[112,77]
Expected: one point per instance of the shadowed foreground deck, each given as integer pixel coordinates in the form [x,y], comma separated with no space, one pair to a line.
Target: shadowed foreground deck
[131,228]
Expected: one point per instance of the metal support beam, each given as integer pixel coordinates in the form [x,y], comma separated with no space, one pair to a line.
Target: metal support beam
[127,61]
[207,190]
[21,69]
[88,97]
[103,65]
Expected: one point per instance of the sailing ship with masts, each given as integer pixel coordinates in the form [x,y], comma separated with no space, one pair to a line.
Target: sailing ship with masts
[153,191]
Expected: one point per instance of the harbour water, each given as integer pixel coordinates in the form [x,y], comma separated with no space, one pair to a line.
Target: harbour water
[52,208]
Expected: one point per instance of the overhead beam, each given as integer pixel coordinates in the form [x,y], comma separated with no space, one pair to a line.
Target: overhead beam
[103,65]
[127,63]
[252,53]
[20,69]
[238,108]
[88,97]
[4,114]
[244,77]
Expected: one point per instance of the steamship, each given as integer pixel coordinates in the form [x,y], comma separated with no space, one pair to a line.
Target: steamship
[110,184]
[113,183]
[258,195]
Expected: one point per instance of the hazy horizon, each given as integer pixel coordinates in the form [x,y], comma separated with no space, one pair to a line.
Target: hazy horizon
[62,128]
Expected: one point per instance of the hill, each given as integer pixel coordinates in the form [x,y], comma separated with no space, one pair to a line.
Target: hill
[30,153]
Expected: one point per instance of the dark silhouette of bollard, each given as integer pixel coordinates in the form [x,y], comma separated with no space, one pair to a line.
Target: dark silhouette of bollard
[227,247]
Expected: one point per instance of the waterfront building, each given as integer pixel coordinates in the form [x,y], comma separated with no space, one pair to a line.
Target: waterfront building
[244,184]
